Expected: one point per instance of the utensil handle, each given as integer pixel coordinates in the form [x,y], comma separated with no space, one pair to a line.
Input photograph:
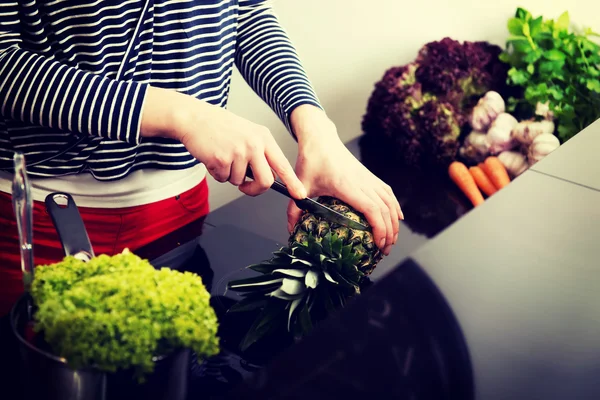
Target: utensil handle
[69,226]
[23,208]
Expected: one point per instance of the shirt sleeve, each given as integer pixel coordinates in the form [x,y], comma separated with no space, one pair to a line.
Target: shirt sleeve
[268,61]
[39,90]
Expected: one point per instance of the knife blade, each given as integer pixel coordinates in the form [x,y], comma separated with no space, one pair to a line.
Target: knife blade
[314,206]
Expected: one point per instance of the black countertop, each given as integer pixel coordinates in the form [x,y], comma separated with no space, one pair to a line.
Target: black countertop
[499,302]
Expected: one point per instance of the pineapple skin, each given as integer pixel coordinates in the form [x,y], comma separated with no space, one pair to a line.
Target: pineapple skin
[363,243]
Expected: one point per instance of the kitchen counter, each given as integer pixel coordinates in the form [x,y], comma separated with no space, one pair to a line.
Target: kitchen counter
[493,303]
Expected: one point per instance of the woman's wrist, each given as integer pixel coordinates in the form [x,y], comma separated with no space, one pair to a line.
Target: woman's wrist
[310,123]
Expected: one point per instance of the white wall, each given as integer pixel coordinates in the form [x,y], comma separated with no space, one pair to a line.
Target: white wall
[346,45]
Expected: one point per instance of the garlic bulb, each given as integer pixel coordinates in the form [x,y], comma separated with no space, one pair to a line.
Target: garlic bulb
[514,162]
[543,110]
[476,147]
[505,120]
[486,111]
[500,133]
[541,146]
[526,131]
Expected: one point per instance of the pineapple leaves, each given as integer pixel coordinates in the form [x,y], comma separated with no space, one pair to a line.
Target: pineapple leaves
[292,286]
[263,324]
[342,299]
[326,243]
[301,252]
[303,262]
[311,279]
[305,320]
[250,284]
[322,266]
[325,296]
[336,245]
[296,273]
[341,279]
[249,303]
[314,247]
[280,294]
[264,268]
[283,254]
[293,307]
[346,250]
[329,278]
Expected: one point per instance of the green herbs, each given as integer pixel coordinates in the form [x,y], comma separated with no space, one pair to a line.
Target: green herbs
[120,312]
[556,68]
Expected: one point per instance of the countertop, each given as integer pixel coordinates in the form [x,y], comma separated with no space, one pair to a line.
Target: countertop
[497,302]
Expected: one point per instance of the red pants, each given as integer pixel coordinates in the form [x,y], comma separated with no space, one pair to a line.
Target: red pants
[109,230]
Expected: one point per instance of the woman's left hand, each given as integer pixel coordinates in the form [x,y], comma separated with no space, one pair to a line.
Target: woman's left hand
[327,168]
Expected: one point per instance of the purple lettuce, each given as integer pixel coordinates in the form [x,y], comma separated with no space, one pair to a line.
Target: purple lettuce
[422,107]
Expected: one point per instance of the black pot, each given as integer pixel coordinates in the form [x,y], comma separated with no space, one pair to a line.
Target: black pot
[47,376]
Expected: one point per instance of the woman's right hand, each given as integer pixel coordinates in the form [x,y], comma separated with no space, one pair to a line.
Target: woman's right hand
[226,143]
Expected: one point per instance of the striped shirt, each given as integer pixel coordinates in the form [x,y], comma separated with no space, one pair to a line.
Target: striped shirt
[81,68]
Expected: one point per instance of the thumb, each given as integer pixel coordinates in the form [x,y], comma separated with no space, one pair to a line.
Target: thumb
[293,214]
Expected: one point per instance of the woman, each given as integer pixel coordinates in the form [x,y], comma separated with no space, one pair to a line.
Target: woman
[122,105]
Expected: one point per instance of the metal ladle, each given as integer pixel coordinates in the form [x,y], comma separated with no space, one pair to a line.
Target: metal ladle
[22,205]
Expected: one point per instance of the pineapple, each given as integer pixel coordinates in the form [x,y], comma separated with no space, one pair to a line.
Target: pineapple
[323,265]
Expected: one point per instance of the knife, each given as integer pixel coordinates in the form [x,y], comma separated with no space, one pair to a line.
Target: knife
[314,207]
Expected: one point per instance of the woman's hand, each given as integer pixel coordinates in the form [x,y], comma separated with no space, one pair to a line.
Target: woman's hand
[225,143]
[326,167]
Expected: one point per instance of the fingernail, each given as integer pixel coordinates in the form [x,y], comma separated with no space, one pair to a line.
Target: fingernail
[387,250]
[395,238]
[381,243]
[303,193]
[401,215]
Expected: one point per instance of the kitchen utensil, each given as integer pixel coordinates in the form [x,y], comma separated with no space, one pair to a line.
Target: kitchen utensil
[22,205]
[314,207]
[50,378]
[69,226]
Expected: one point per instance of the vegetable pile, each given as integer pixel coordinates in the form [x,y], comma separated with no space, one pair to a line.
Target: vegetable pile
[120,312]
[499,147]
[518,144]
[556,68]
[421,108]
[487,177]
[468,101]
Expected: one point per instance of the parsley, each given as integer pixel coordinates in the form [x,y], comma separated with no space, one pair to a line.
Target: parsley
[554,66]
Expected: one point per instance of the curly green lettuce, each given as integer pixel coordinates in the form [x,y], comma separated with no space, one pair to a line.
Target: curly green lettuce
[120,313]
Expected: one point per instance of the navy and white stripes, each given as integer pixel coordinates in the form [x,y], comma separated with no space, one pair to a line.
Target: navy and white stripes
[82,67]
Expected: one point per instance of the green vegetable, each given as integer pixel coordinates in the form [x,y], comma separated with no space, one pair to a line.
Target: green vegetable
[120,312]
[554,66]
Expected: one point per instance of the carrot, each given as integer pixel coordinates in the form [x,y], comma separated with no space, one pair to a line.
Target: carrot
[496,171]
[460,175]
[482,181]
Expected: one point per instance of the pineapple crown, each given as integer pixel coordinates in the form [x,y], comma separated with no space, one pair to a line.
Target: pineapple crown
[299,285]
[323,266]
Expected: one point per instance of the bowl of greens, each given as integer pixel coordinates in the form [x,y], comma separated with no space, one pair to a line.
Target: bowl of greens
[110,327]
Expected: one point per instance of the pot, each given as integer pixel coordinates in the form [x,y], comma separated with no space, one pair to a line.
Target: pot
[47,376]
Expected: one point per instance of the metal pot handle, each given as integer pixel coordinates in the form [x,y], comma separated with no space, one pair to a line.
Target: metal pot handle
[69,226]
